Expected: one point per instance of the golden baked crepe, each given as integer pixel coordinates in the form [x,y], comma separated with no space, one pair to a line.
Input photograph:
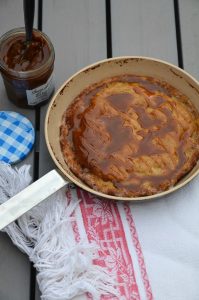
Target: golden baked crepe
[130,136]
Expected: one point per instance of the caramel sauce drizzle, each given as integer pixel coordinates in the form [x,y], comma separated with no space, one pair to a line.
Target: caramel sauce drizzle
[98,154]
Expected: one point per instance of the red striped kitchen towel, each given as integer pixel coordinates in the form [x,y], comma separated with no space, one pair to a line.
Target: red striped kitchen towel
[111,226]
[153,247]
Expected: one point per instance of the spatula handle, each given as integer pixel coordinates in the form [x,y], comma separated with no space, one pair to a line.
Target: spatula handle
[30,197]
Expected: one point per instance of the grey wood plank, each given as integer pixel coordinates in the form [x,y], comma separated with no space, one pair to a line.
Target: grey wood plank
[14,272]
[144,28]
[78,32]
[189,20]
[14,266]
[37,292]
[11,15]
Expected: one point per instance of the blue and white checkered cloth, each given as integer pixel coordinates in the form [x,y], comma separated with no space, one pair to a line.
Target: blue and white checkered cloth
[17,137]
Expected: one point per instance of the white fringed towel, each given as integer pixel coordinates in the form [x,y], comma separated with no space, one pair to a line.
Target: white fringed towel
[65,267]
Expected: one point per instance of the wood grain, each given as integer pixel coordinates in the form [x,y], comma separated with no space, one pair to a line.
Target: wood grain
[78,32]
[15,272]
[189,19]
[14,266]
[145,28]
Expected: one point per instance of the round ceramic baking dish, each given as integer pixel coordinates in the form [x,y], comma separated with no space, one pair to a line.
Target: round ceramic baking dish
[99,71]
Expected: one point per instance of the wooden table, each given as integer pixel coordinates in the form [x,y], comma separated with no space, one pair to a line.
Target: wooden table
[84,31]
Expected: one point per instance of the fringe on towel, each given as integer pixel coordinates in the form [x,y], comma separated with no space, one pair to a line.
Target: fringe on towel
[65,267]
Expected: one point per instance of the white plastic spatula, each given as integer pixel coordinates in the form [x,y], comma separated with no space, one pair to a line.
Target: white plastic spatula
[30,197]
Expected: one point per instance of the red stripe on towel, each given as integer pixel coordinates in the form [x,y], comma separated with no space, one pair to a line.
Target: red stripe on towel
[138,249]
[104,226]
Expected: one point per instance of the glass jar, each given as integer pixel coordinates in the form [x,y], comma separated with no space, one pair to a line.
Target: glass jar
[27,68]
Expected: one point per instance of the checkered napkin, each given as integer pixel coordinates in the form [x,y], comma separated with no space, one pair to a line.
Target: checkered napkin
[16,137]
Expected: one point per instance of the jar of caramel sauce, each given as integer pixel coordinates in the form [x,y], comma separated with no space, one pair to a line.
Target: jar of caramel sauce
[27,67]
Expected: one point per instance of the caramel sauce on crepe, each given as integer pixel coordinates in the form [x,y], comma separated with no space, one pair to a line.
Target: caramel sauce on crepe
[130,136]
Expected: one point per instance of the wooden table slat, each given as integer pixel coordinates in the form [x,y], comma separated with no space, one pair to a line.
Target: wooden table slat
[14,266]
[189,20]
[145,28]
[78,32]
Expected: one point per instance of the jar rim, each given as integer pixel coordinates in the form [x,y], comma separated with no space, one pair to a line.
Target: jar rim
[30,73]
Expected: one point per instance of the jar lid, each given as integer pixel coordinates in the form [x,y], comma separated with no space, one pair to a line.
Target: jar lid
[17,137]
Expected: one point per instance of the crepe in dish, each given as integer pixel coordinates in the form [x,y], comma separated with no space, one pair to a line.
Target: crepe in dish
[130,136]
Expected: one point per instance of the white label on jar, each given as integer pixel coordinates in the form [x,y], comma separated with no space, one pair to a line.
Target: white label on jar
[41,93]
